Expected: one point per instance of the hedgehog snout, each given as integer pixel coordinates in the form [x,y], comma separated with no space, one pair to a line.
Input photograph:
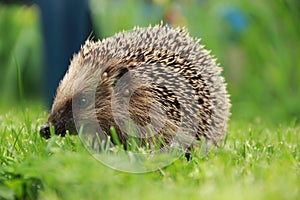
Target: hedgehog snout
[45,131]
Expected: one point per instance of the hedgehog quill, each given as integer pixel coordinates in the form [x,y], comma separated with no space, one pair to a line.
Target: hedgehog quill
[158,78]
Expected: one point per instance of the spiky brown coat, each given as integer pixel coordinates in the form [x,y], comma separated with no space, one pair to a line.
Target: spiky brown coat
[160,75]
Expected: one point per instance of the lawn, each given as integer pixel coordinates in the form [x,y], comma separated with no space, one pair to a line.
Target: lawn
[257,44]
[257,161]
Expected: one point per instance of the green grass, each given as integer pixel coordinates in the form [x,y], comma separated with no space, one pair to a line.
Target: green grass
[260,158]
[255,162]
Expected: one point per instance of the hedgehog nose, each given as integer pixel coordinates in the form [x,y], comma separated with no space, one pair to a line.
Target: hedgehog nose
[45,131]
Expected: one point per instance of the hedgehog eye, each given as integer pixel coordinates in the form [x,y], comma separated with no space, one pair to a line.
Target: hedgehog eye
[83,101]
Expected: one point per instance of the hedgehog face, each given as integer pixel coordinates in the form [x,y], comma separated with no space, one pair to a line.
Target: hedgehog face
[84,97]
[61,116]
[61,119]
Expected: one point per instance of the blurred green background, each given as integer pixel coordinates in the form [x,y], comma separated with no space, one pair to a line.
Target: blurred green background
[256,42]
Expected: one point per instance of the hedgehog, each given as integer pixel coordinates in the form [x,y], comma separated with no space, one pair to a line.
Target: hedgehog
[152,83]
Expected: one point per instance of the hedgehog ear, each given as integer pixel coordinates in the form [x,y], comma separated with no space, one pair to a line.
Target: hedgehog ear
[124,74]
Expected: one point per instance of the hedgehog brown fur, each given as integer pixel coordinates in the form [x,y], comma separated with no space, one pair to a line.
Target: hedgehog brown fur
[167,79]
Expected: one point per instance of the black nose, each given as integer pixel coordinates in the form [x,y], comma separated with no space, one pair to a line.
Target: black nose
[45,131]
